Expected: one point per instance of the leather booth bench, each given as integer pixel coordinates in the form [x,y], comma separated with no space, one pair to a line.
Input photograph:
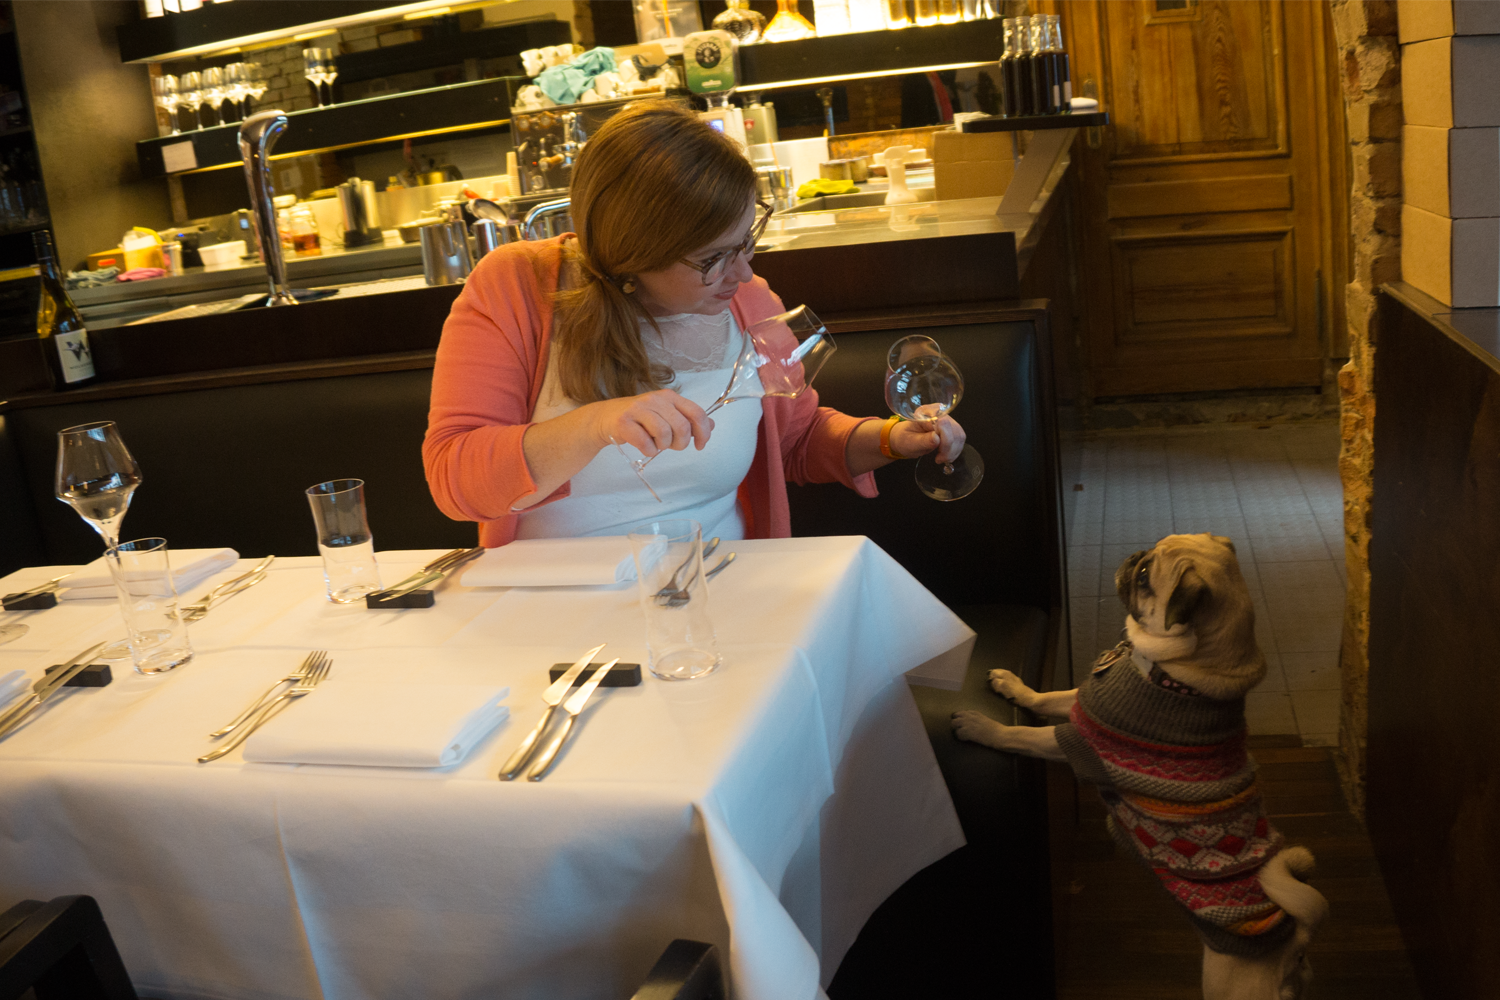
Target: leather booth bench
[226,458]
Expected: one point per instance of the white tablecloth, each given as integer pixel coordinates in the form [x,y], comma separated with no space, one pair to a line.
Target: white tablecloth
[768,808]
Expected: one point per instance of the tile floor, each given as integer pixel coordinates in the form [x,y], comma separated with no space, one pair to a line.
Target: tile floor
[1276,492]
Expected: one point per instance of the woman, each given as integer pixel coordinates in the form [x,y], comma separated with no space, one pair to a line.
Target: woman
[557,349]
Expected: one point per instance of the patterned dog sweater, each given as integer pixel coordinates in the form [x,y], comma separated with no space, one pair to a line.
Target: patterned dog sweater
[1172,768]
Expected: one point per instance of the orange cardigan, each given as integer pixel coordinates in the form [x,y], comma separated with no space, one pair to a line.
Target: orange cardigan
[489,371]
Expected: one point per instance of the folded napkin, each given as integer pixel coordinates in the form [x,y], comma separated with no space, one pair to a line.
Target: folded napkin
[823,185]
[189,568]
[381,724]
[12,686]
[554,562]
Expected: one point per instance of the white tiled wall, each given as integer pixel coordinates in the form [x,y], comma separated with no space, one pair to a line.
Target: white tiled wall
[1276,493]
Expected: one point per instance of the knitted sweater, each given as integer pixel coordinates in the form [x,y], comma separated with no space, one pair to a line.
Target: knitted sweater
[1172,768]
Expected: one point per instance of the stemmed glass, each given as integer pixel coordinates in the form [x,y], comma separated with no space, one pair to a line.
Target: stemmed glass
[213,90]
[319,68]
[96,476]
[164,93]
[923,384]
[330,72]
[191,94]
[255,84]
[235,80]
[779,356]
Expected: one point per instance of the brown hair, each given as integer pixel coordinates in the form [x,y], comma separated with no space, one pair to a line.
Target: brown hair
[653,185]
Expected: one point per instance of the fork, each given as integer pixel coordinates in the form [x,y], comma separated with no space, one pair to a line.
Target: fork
[681,597]
[671,588]
[314,659]
[200,607]
[306,684]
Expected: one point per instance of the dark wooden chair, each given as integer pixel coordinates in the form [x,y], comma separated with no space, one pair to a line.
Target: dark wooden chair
[60,950]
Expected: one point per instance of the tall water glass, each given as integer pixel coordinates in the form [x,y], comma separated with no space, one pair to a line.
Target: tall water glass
[344,539]
[142,573]
[674,598]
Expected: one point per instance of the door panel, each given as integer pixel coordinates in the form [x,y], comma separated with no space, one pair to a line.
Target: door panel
[1204,212]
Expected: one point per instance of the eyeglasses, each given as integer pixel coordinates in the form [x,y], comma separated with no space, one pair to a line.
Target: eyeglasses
[713,269]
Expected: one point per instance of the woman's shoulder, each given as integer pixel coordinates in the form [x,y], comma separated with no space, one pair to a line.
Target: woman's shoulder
[756,301]
[523,267]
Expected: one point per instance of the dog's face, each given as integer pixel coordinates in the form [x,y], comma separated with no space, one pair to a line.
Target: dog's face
[1165,586]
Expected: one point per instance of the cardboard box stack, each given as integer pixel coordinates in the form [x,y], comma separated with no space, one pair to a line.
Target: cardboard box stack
[1450,216]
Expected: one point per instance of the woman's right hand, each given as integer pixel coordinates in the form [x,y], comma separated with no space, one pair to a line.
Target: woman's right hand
[652,421]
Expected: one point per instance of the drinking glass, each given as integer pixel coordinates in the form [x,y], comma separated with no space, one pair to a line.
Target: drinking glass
[344,540]
[164,93]
[923,384]
[96,476]
[680,637]
[255,83]
[235,89]
[213,90]
[158,639]
[779,356]
[191,93]
[330,68]
[312,68]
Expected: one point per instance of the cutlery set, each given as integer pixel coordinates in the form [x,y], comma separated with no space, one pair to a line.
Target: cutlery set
[44,689]
[36,599]
[313,671]
[674,596]
[433,572]
[554,697]
[224,591]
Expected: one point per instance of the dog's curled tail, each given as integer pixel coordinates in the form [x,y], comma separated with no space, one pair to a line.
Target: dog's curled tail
[1284,879]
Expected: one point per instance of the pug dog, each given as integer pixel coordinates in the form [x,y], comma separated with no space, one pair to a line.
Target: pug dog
[1159,728]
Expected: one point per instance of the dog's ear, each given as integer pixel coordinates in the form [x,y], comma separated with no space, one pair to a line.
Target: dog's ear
[1186,596]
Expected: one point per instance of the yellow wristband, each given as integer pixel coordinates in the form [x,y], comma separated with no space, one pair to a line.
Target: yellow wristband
[885,438]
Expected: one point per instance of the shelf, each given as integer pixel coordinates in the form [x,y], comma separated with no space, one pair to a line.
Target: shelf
[812,61]
[1037,123]
[453,48]
[219,26]
[440,110]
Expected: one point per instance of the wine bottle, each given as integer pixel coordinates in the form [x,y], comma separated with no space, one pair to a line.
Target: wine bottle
[1009,82]
[1060,58]
[1025,95]
[64,338]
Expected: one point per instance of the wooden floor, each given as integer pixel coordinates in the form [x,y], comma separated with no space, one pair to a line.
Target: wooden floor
[1127,940]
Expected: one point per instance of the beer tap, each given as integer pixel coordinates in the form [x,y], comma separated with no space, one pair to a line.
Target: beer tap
[257,135]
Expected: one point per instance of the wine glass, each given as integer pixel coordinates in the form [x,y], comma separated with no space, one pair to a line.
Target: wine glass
[923,384]
[312,68]
[213,90]
[255,83]
[330,68]
[779,356]
[164,94]
[190,89]
[96,476]
[235,89]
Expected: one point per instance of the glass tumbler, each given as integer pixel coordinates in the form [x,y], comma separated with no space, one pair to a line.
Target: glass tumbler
[344,539]
[148,602]
[674,598]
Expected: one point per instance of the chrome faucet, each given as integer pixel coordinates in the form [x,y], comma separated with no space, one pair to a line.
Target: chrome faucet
[257,135]
[544,212]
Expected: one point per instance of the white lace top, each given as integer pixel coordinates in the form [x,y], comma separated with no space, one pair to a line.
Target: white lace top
[606,496]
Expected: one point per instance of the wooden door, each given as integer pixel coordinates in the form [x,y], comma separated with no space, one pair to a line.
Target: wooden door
[1207,254]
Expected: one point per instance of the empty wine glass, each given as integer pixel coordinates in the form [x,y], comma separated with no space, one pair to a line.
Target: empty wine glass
[779,356]
[164,94]
[96,476]
[213,90]
[923,384]
[330,72]
[190,89]
[312,68]
[255,83]
[235,88]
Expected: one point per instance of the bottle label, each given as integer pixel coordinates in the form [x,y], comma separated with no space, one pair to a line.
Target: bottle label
[77,359]
[1067,93]
[1056,96]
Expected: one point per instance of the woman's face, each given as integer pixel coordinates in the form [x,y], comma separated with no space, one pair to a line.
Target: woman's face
[680,288]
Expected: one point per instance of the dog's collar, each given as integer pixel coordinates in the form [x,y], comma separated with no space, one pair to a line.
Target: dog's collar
[1151,670]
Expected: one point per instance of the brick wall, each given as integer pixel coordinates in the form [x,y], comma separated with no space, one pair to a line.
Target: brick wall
[1365,31]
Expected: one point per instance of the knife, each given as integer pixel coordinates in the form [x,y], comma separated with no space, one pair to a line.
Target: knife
[45,688]
[572,706]
[552,697]
[429,574]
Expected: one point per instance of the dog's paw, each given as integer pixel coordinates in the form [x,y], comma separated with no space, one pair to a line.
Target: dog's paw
[973,727]
[1008,685]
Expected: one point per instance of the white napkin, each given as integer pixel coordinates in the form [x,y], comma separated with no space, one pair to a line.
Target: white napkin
[189,568]
[381,724]
[554,562]
[12,686]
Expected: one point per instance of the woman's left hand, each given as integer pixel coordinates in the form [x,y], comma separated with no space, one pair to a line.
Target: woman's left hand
[914,438]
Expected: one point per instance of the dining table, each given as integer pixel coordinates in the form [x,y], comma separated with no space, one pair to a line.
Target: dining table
[768,808]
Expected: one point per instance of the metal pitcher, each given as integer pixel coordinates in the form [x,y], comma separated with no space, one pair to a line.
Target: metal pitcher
[489,234]
[445,253]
